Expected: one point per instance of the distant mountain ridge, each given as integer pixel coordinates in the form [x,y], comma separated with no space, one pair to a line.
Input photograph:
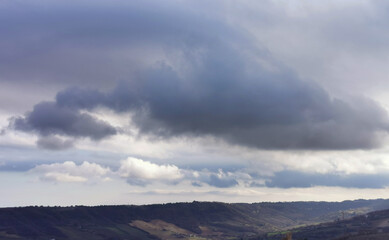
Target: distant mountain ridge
[195,220]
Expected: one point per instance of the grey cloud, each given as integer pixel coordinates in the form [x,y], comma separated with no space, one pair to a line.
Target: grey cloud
[48,119]
[23,158]
[138,182]
[196,184]
[257,184]
[213,179]
[12,166]
[219,83]
[221,182]
[219,179]
[81,42]
[93,44]
[268,110]
[54,143]
[290,179]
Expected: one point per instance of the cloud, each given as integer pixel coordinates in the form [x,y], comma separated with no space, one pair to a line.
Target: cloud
[140,172]
[89,44]
[71,172]
[62,177]
[48,119]
[180,76]
[136,172]
[268,110]
[222,180]
[295,179]
[54,143]
[212,79]
[219,179]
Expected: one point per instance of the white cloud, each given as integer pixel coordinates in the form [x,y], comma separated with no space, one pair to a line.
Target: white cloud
[140,172]
[70,172]
[135,169]
[63,177]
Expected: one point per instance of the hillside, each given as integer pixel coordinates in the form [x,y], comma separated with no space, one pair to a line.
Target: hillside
[372,226]
[196,220]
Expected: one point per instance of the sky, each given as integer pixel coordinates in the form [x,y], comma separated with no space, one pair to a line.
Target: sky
[140,102]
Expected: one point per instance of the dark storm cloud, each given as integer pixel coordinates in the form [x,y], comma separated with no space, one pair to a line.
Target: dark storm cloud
[290,179]
[48,119]
[212,80]
[266,110]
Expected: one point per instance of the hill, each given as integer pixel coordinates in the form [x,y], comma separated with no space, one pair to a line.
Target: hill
[372,226]
[196,220]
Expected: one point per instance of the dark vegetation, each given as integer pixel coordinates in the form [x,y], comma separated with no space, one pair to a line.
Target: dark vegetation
[372,226]
[200,220]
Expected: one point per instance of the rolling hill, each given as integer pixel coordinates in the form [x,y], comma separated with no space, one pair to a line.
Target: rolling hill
[371,226]
[196,220]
